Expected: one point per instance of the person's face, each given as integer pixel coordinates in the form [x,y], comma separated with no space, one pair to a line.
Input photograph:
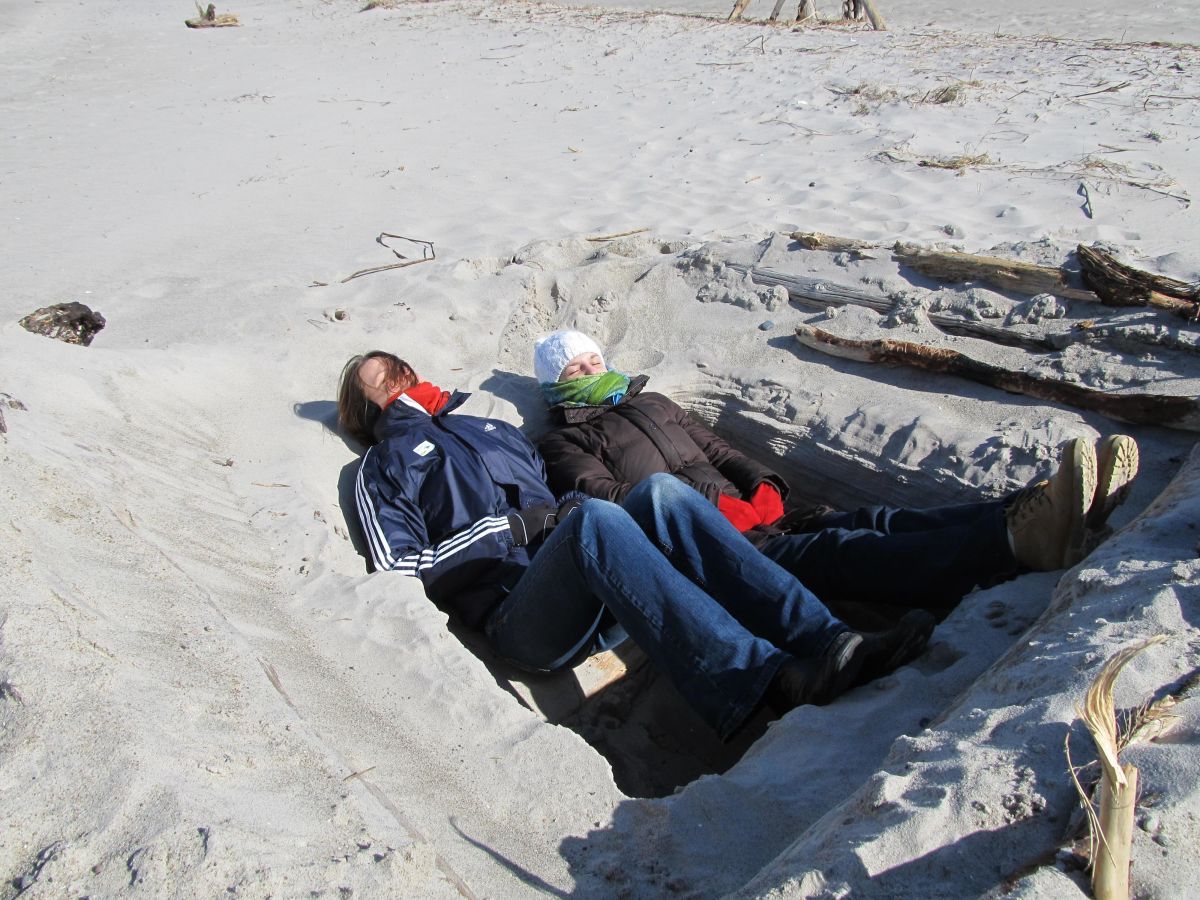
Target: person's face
[373,377]
[581,365]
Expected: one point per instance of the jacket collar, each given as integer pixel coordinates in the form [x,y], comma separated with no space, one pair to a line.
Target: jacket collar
[402,414]
[573,415]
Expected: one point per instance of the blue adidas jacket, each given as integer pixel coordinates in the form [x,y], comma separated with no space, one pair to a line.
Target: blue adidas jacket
[434,494]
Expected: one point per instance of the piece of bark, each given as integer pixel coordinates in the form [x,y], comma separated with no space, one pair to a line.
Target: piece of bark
[1010,275]
[1118,284]
[1182,413]
[71,322]
[817,294]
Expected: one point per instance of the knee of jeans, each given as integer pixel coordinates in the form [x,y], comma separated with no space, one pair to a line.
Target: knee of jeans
[664,487]
[597,513]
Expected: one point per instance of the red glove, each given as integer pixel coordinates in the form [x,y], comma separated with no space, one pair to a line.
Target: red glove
[741,514]
[767,503]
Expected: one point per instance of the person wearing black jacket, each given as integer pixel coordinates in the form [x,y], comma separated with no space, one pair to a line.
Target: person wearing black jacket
[869,565]
[462,503]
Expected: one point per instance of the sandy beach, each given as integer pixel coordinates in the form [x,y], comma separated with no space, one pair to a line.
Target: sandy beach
[204,691]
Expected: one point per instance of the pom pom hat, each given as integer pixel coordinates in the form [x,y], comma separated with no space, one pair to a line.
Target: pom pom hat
[552,353]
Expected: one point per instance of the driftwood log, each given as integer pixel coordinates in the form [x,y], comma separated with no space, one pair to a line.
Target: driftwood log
[209,18]
[1182,413]
[815,240]
[1007,274]
[1118,284]
[817,294]
[72,322]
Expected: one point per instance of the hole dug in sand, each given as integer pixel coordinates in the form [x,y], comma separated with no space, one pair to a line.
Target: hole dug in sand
[632,715]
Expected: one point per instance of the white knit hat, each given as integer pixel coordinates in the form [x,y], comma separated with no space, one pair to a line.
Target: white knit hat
[552,353]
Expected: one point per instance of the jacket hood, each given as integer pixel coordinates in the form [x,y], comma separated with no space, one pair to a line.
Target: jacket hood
[573,415]
[399,417]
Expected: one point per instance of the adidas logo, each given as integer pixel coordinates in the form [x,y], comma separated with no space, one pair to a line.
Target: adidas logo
[489,427]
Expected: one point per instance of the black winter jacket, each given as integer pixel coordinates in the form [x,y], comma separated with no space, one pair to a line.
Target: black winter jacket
[605,450]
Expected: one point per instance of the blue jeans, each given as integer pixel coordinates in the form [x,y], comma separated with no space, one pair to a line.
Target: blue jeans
[711,612]
[903,557]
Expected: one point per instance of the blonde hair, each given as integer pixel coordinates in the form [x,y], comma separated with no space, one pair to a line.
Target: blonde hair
[357,414]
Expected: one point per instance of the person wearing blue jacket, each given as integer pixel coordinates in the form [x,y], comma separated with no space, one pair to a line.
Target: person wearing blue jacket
[462,503]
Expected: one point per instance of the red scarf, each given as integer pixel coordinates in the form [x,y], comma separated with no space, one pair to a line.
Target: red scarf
[431,397]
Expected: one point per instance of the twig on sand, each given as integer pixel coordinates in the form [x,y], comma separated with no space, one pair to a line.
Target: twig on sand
[209,18]
[1097,170]
[359,773]
[1111,89]
[427,254]
[619,234]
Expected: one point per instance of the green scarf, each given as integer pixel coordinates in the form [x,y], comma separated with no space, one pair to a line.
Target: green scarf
[590,390]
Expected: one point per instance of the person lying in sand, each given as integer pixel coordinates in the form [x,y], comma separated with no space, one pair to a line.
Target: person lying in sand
[462,503]
[869,565]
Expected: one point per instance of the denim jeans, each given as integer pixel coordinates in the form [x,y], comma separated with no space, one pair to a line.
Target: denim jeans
[903,557]
[711,612]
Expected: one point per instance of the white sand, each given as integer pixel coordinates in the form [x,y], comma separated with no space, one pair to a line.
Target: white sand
[200,689]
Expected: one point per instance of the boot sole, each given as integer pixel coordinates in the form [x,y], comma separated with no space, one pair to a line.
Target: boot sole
[1082,487]
[1116,467]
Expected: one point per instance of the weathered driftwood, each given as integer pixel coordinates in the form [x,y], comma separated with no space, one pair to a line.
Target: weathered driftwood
[1143,409]
[1118,284]
[873,15]
[776,11]
[72,322]
[209,18]
[815,240]
[739,7]
[1007,274]
[817,294]
[807,9]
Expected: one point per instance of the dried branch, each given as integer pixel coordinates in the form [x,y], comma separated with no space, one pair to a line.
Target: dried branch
[427,254]
[619,234]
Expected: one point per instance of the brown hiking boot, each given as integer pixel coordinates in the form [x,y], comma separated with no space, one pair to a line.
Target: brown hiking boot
[1046,520]
[1116,467]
